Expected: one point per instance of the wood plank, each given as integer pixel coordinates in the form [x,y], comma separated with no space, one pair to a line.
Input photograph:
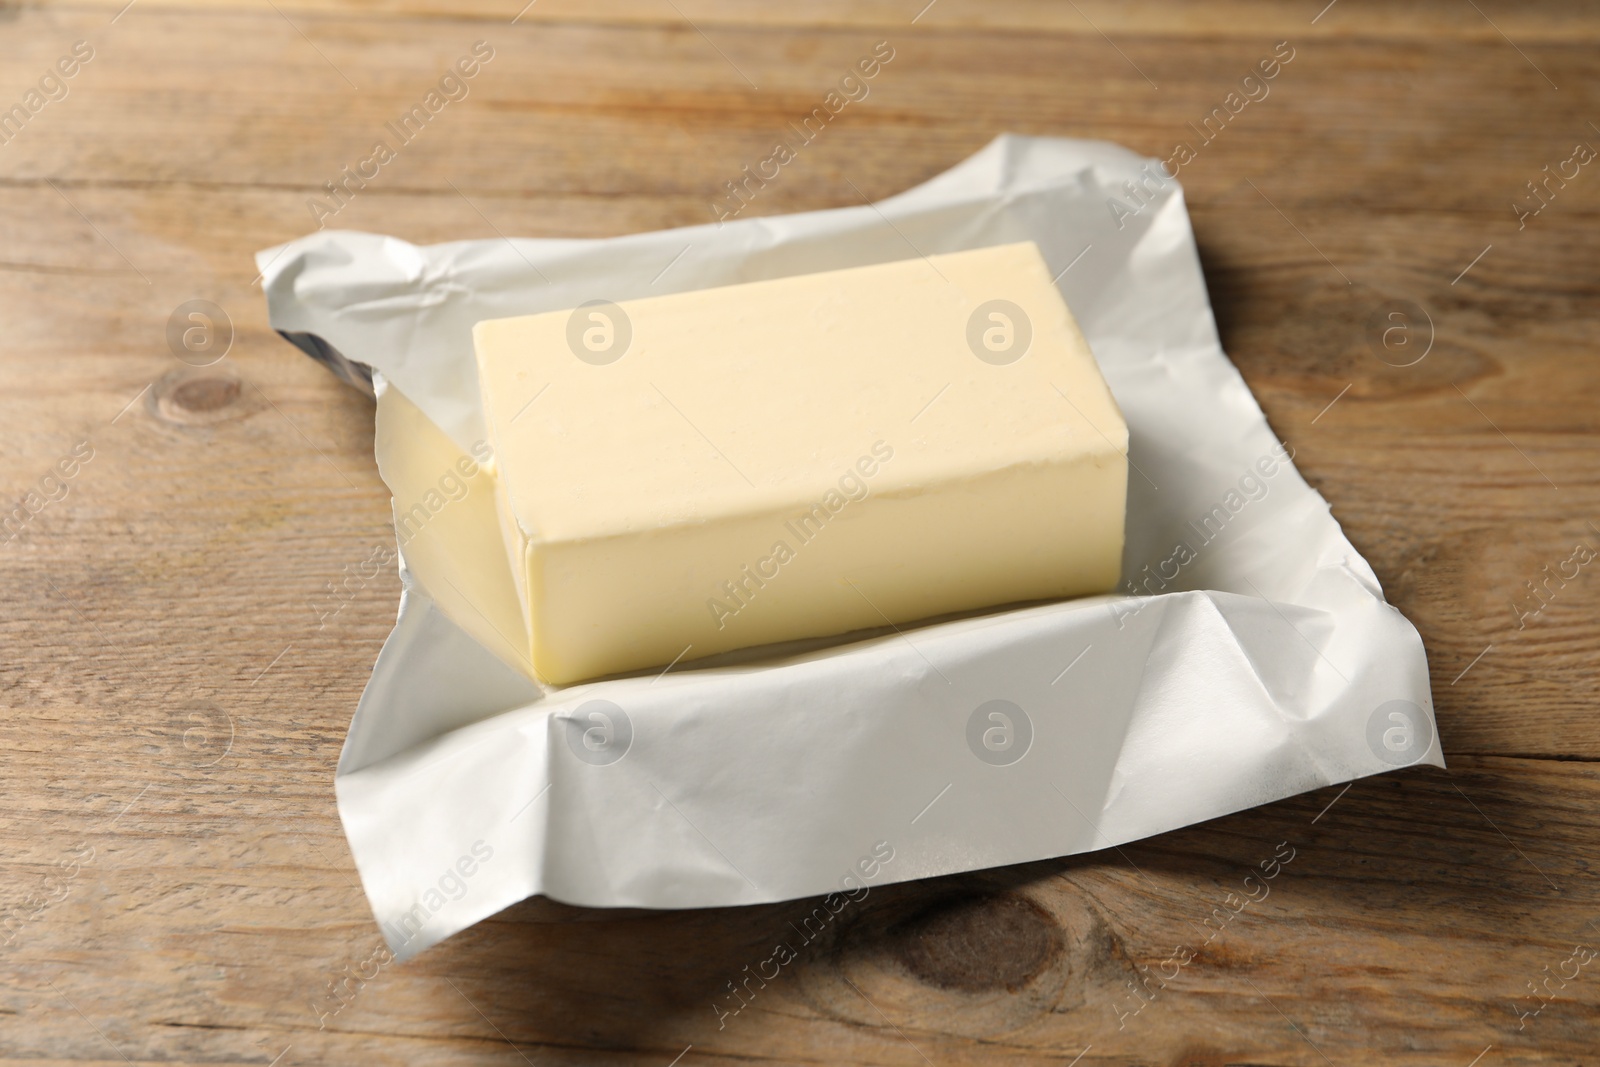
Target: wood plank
[544,117]
[1432,899]
[1554,22]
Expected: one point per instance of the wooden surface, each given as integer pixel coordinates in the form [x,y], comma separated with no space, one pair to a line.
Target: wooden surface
[176,681]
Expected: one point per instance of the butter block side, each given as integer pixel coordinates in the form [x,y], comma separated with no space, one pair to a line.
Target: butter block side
[621,603]
[446,521]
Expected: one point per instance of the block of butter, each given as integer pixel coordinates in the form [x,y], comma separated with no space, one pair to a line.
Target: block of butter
[683,475]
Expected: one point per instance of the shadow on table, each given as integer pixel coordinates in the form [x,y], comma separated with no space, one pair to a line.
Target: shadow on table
[1040,954]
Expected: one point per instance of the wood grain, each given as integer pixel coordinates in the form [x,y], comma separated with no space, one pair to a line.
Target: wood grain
[174,886]
[1562,21]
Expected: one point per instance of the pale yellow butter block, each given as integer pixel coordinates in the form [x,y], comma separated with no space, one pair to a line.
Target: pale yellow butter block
[683,475]
[446,524]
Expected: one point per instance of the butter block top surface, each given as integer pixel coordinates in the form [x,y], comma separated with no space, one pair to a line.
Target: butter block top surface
[746,398]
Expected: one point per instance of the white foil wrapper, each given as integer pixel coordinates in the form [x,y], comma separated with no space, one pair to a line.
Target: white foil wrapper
[1260,659]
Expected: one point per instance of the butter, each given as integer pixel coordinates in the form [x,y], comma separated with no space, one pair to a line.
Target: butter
[684,475]
[447,526]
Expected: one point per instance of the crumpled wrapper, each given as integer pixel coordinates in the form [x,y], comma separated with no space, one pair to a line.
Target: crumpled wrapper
[1253,658]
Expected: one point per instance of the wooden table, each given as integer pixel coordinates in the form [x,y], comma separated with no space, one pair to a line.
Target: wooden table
[177,677]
